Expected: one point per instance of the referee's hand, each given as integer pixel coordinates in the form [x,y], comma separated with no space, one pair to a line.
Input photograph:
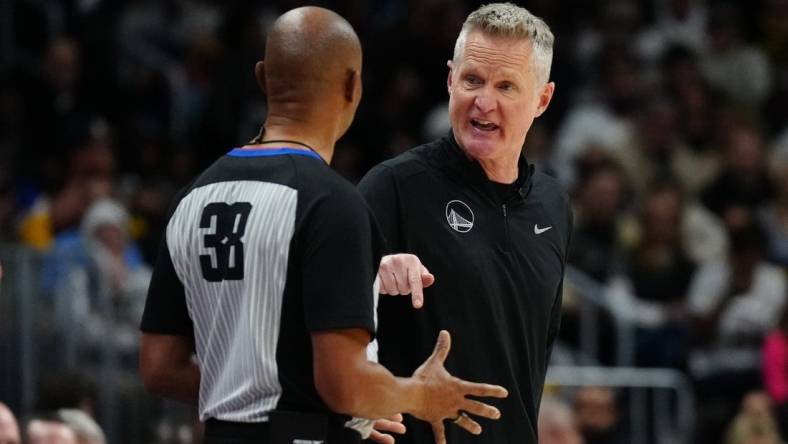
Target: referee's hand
[403,274]
[446,396]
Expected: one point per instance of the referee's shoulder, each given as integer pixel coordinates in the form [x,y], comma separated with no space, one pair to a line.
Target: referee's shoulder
[320,179]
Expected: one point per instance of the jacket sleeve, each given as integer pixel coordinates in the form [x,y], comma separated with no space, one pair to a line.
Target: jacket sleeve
[555,312]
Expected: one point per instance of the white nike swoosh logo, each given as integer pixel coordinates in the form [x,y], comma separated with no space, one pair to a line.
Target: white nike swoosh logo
[538,230]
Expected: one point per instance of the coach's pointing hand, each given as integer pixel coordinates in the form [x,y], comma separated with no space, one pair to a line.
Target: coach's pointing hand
[383,428]
[446,395]
[402,274]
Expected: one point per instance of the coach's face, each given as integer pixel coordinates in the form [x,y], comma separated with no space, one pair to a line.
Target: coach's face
[494,96]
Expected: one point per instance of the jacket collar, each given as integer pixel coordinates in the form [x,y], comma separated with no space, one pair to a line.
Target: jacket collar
[454,160]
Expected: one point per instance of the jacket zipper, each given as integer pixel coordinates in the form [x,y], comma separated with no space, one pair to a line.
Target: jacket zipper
[506,228]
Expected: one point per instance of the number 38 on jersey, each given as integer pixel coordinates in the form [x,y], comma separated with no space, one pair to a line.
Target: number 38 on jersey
[226,224]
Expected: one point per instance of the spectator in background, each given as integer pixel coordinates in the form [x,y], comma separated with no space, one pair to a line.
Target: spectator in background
[733,301]
[557,423]
[67,389]
[743,184]
[656,147]
[53,101]
[755,423]
[737,299]
[738,69]
[774,30]
[659,151]
[680,22]
[597,245]
[604,123]
[775,370]
[653,289]
[149,50]
[48,429]
[90,170]
[604,24]
[774,214]
[596,242]
[598,415]
[85,428]
[9,429]
[104,293]
[704,237]
[683,82]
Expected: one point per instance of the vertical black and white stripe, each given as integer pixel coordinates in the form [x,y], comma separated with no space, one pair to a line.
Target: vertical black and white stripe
[236,322]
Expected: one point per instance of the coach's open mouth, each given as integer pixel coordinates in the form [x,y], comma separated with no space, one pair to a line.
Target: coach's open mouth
[483,125]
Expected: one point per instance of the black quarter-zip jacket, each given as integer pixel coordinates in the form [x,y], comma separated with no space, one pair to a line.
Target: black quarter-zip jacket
[498,258]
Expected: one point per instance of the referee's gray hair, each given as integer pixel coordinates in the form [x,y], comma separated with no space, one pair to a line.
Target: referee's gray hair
[511,21]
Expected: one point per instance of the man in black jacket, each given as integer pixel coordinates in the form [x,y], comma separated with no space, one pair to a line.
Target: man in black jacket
[493,231]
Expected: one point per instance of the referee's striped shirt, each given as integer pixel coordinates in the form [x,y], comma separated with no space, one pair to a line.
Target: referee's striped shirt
[263,248]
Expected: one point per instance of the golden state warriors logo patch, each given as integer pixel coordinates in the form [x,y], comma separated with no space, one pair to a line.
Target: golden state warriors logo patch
[459,216]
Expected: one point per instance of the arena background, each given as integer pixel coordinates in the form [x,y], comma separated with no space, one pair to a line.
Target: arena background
[668,128]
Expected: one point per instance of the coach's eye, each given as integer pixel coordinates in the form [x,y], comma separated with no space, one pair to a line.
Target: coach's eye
[473,80]
[506,86]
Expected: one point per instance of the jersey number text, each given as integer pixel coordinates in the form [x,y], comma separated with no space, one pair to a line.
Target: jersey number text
[229,223]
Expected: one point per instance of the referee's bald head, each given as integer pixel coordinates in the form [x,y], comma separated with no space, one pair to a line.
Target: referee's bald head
[309,52]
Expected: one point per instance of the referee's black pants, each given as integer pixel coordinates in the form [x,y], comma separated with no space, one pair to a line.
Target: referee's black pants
[226,432]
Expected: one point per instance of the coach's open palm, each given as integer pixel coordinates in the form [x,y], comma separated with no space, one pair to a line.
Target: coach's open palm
[446,395]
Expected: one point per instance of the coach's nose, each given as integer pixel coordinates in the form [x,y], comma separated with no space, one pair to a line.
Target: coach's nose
[485,101]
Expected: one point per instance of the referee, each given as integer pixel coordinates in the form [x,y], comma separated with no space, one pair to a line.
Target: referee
[266,272]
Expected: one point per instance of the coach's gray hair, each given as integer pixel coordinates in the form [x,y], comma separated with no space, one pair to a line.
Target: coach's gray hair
[511,21]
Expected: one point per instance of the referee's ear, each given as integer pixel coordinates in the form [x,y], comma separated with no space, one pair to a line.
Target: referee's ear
[352,85]
[259,74]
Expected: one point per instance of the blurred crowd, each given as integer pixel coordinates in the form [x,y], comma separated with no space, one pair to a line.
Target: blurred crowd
[668,128]
[64,426]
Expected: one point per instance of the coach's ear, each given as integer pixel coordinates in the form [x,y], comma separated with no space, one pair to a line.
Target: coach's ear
[450,64]
[544,98]
[259,74]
